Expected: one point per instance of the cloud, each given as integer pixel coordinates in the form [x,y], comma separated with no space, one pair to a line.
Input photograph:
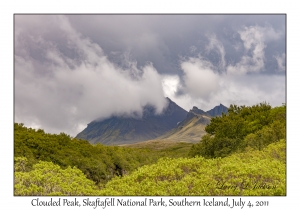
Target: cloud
[70,70]
[215,44]
[251,89]
[199,78]
[192,49]
[204,86]
[254,39]
[170,84]
[280,62]
[63,92]
[162,38]
[223,88]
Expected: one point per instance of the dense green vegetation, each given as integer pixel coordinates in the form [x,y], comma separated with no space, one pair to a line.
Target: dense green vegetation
[98,162]
[250,173]
[46,178]
[241,129]
[243,153]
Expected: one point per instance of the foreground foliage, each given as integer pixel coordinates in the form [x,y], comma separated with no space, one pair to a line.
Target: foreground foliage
[250,173]
[98,162]
[47,178]
[243,153]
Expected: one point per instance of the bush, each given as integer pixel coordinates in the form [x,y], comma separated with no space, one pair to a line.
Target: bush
[251,173]
[47,178]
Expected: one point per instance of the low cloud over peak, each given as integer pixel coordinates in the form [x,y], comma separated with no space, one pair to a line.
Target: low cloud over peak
[72,90]
[70,70]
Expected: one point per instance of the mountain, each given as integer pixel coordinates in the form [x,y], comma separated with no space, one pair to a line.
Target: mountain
[127,130]
[191,129]
[218,110]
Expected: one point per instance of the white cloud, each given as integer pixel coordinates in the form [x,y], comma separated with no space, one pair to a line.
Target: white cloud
[171,84]
[64,79]
[205,88]
[232,89]
[200,81]
[254,39]
[251,89]
[63,94]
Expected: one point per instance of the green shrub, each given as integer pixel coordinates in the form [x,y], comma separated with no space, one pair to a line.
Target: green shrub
[47,178]
[251,173]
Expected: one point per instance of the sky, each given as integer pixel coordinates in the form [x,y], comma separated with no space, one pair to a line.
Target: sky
[72,69]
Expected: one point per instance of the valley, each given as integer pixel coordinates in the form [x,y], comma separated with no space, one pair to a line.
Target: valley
[253,150]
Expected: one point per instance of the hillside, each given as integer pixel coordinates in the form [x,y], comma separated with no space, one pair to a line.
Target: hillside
[173,124]
[126,130]
[191,129]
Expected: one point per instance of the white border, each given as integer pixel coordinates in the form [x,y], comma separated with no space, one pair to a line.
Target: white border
[154,6]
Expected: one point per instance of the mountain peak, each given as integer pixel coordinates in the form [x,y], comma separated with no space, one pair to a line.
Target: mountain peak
[195,110]
[218,110]
[124,130]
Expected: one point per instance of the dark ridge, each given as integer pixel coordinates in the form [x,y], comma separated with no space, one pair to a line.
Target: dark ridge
[218,110]
[127,130]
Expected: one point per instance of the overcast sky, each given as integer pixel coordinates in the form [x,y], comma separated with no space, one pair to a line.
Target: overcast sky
[70,70]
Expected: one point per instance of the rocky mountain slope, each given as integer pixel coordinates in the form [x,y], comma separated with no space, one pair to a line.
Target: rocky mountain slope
[218,110]
[174,124]
[126,130]
[191,129]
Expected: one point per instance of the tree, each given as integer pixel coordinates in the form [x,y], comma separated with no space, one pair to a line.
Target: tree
[255,126]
